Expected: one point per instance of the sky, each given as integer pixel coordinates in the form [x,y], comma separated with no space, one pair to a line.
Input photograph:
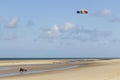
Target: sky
[53,29]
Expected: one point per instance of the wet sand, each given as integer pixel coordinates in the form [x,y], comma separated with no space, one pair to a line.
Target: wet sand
[91,70]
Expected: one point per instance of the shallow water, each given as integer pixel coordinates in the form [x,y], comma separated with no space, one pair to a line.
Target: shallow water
[57,65]
[38,71]
[6,68]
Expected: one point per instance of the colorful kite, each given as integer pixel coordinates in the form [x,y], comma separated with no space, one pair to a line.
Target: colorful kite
[82,12]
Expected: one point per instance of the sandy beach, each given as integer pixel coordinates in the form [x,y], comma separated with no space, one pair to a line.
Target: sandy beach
[91,70]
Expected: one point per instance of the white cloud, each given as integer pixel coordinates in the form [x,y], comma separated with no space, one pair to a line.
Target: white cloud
[105,12]
[54,31]
[67,26]
[85,34]
[69,31]
[13,23]
[1,21]
[8,37]
[30,23]
[8,34]
[115,20]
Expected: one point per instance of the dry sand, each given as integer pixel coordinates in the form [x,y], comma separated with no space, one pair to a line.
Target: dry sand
[96,70]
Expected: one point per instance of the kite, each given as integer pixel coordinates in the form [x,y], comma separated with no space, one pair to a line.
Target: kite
[82,12]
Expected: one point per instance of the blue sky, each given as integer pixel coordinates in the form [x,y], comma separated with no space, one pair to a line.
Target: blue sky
[51,28]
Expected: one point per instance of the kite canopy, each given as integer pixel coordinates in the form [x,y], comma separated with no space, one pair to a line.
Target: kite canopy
[82,12]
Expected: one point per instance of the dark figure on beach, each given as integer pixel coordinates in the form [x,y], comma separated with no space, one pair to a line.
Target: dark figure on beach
[22,70]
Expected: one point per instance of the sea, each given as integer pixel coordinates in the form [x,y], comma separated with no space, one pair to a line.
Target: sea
[56,58]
